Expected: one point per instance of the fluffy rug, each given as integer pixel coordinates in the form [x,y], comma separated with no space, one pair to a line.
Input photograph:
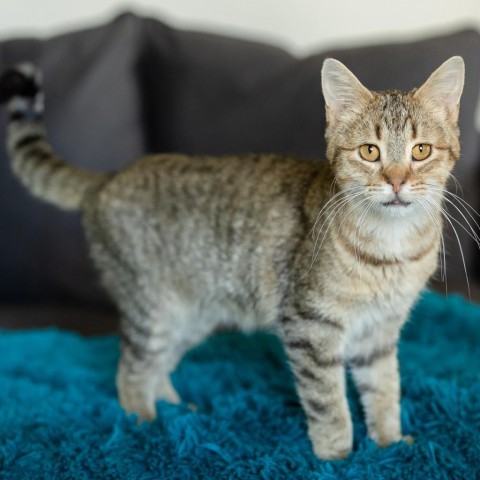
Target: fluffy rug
[59,415]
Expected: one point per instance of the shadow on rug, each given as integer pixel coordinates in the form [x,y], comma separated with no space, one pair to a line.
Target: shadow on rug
[60,418]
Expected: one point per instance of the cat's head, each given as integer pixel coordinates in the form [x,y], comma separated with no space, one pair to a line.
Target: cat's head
[394,150]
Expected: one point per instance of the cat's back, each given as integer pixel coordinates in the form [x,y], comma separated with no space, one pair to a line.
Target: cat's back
[230,201]
[254,177]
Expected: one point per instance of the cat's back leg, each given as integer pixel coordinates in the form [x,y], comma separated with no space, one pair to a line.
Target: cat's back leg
[158,310]
[154,339]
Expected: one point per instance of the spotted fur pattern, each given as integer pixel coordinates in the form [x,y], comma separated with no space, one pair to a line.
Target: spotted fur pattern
[330,255]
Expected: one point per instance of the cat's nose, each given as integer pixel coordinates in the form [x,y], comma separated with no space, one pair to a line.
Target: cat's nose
[397,182]
[396,176]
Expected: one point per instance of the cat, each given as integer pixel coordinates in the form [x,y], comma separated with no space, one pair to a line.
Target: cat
[331,255]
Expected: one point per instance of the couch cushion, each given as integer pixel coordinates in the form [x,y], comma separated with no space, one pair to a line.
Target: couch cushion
[93,117]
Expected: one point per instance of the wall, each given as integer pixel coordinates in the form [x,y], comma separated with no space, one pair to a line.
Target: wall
[299,25]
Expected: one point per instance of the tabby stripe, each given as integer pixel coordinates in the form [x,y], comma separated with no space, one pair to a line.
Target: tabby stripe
[367,360]
[423,252]
[414,128]
[137,352]
[365,388]
[365,257]
[141,352]
[302,344]
[138,329]
[306,373]
[307,315]
[316,406]
[27,140]
[327,321]
[311,418]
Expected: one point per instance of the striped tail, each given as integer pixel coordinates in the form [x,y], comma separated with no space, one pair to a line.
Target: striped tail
[33,160]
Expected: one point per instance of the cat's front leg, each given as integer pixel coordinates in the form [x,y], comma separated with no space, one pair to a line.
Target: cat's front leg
[374,366]
[314,345]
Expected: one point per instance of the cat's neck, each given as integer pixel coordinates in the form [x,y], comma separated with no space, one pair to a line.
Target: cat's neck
[385,235]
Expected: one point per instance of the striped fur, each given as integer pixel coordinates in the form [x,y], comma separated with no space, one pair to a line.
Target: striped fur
[316,251]
[33,160]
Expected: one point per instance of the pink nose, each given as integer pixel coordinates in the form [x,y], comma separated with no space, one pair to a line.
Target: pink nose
[397,182]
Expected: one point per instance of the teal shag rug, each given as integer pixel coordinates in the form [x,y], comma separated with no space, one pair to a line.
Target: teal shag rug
[60,418]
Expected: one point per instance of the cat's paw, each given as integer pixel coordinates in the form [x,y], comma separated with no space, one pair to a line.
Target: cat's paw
[331,454]
[166,391]
[143,412]
[23,81]
[332,444]
[135,400]
[386,441]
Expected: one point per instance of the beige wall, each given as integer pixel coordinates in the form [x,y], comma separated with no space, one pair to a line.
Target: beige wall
[300,25]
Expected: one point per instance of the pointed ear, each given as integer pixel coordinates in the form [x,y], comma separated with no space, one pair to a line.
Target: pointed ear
[445,86]
[342,90]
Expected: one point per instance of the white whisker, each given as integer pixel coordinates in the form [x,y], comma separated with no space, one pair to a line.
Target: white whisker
[328,206]
[459,245]
[316,250]
[358,228]
[472,234]
[438,227]
[333,211]
[457,183]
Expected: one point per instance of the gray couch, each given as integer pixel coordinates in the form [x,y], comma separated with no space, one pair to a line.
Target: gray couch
[136,85]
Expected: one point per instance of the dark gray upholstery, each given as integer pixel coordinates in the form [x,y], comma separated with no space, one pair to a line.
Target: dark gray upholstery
[94,119]
[137,86]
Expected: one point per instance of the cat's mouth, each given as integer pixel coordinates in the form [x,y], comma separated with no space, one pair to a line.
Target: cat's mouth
[396,203]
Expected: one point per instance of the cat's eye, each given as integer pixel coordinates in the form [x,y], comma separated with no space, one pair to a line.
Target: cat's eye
[370,153]
[421,151]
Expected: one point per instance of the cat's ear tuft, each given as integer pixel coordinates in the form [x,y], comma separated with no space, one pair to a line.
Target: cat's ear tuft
[342,89]
[445,85]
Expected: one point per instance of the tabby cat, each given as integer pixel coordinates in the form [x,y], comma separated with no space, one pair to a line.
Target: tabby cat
[331,255]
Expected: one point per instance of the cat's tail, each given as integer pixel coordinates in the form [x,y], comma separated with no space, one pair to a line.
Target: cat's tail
[33,160]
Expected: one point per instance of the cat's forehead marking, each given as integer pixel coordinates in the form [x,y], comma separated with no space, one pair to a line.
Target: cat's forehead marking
[396,111]
[396,124]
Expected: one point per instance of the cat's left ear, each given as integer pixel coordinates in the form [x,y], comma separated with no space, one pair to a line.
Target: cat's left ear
[445,86]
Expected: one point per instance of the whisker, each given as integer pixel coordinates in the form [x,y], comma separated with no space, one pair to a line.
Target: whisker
[316,250]
[459,246]
[332,186]
[357,230]
[438,227]
[457,183]
[472,234]
[327,206]
[464,203]
[333,210]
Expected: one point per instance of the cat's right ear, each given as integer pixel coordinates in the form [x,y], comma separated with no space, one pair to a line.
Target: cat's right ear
[342,90]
